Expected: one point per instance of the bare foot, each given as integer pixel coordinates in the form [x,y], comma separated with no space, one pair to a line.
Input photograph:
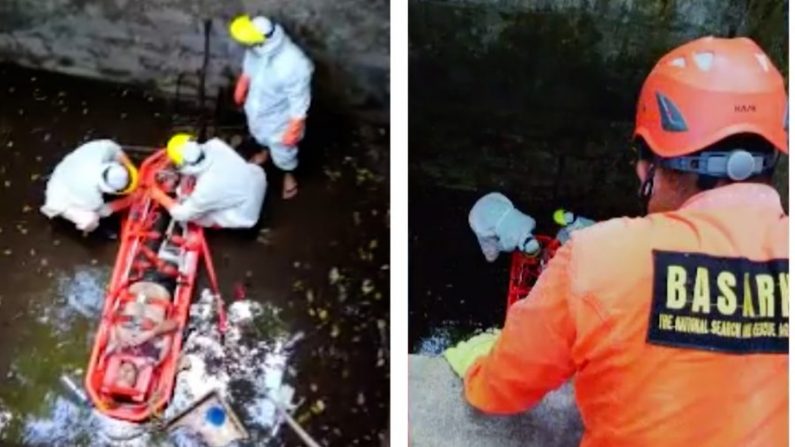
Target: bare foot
[290,188]
[260,159]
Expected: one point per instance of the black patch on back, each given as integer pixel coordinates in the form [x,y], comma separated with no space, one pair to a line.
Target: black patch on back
[746,325]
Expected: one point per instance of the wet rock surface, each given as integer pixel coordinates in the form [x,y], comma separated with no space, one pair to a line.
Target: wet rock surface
[162,42]
[321,260]
[538,98]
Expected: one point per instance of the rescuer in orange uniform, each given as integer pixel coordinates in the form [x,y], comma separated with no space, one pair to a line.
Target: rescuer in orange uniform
[673,326]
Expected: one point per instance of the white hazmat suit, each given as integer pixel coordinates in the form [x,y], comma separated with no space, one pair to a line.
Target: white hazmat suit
[76,187]
[500,227]
[228,191]
[279,92]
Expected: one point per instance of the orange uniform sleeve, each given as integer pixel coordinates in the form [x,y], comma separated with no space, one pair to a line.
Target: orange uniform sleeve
[532,354]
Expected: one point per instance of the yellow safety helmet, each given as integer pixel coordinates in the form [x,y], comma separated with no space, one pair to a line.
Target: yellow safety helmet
[562,217]
[175,146]
[133,182]
[245,32]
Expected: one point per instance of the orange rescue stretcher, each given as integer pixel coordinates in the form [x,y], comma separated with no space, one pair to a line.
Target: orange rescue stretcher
[153,249]
[525,269]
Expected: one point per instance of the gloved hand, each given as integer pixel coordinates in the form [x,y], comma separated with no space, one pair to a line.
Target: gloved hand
[241,89]
[463,355]
[105,211]
[88,225]
[294,132]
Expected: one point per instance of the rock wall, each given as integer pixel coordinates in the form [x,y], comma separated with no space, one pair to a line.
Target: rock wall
[536,97]
[439,415]
[161,42]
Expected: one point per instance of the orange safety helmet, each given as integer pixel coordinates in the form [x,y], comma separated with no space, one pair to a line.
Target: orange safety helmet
[710,89]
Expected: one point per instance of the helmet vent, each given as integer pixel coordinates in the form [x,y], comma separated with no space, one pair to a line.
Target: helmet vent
[671,117]
[704,60]
[762,59]
[678,62]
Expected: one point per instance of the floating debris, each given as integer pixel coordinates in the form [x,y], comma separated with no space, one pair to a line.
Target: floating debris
[334,275]
[318,407]
[367,286]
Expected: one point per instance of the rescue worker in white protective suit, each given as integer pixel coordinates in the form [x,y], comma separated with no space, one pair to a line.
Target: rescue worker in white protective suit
[228,191]
[76,187]
[275,90]
[500,227]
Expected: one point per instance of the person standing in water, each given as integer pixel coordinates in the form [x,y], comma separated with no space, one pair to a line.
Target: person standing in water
[275,91]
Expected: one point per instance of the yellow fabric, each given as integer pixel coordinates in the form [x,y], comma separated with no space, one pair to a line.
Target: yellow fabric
[174,147]
[463,355]
[243,31]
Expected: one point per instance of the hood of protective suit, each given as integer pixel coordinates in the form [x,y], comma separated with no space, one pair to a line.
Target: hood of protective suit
[113,177]
[192,152]
[498,225]
[274,43]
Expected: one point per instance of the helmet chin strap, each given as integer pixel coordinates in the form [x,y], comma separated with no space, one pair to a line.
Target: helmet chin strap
[647,186]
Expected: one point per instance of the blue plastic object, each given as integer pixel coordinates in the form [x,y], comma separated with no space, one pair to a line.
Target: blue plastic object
[215,415]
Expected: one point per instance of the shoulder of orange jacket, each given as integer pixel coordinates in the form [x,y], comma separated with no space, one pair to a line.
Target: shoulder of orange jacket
[608,251]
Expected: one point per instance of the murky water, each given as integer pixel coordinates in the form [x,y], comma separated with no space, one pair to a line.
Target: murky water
[321,260]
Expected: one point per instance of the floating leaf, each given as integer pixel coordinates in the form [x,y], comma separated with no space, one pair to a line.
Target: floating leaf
[367,286]
[333,275]
[318,406]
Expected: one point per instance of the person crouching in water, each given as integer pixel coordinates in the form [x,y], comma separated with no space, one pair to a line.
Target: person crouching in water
[76,188]
[228,191]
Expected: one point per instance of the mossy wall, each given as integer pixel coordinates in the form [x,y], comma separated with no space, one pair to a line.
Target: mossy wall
[536,98]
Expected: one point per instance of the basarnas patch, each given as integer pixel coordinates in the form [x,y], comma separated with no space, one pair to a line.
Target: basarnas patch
[714,303]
